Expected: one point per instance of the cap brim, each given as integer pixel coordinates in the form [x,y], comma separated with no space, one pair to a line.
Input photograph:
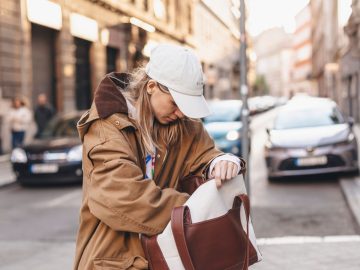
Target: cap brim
[191,106]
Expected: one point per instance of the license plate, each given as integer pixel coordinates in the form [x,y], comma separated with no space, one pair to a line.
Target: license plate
[311,161]
[44,168]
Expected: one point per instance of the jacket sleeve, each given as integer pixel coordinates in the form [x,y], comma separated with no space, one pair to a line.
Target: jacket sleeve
[120,196]
[202,150]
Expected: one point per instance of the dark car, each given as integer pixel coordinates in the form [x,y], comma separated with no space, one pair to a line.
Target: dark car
[310,136]
[224,125]
[55,157]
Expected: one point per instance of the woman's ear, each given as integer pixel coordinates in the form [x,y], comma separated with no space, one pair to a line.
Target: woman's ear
[150,87]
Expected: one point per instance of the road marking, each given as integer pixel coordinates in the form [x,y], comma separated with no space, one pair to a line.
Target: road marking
[288,240]
[59,201]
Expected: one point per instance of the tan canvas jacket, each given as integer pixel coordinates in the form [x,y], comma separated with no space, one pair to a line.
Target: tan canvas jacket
[118,202]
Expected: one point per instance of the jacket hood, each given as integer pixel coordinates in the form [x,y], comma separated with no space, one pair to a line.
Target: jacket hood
[108,97]
[108,100]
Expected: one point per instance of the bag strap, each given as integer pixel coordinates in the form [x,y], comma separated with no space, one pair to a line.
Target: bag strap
[177,226]
[153,253]
[244,199]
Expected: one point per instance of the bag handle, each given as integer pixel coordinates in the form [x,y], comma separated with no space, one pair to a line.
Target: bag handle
[244,199]
[177,226]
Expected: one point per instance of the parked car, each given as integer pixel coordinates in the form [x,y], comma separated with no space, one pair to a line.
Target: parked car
[224,125]
[55,157]
[310,136]
[259,104]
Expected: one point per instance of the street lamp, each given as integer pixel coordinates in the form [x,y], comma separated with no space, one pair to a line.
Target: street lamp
[244,94]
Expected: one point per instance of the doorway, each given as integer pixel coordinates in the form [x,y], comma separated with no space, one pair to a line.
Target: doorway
[83,74]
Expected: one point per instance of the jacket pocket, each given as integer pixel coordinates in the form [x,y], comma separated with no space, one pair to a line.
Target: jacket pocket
[130,263]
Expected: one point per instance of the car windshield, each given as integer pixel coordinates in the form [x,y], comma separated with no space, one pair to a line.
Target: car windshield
[308,117]
[61,127]
[224,111]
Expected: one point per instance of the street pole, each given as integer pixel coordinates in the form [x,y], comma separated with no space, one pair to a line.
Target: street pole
[244,95]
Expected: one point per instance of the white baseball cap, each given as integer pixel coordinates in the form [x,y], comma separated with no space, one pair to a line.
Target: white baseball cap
[180,71]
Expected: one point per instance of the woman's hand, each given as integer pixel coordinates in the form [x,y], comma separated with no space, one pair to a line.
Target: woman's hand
[224,170]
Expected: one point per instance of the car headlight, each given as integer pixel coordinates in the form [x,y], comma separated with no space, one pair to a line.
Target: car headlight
[18,155]
[75,153]
[233,135]
[351,137]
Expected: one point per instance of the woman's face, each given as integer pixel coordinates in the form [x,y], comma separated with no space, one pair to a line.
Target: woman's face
[162,104]
[16,103]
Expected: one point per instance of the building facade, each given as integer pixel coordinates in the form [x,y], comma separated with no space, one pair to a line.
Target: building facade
[335,54]
[56,46]
[274,61]
[302,52]
[64,48]
[324,32]
[350,65]
[216,37]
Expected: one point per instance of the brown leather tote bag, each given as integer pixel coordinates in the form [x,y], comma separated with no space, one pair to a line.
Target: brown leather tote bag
[215,244]
[220,243]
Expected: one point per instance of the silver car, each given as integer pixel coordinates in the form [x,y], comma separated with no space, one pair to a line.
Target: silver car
[310,136]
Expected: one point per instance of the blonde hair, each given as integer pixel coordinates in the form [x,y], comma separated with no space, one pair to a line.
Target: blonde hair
[23,101]
[153,133]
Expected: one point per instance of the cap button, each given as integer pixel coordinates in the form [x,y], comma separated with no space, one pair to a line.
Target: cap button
[117,122]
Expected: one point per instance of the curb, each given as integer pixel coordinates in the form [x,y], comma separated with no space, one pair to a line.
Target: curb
[351,190]
[5,184]
[4,158]
[6,178]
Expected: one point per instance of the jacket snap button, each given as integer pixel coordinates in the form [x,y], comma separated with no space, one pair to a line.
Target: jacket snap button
[117,122]
[158,155]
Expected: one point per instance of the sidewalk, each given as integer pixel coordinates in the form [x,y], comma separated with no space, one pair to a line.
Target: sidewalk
[351,186]
[310,256]
[6,174]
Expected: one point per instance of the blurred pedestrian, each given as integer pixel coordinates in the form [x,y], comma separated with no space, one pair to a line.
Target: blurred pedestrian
[19,119]
[139,138]
[42,114]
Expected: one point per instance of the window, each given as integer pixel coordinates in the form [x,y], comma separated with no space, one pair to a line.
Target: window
[167,10]
[190,21]
[145,5]
[178,14]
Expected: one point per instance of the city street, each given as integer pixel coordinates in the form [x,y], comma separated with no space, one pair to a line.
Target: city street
[140,67]
[300,223]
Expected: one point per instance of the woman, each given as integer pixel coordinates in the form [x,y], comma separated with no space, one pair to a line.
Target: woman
[140,138]
[19,119]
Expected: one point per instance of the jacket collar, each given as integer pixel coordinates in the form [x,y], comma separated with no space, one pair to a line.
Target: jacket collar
[108,96]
